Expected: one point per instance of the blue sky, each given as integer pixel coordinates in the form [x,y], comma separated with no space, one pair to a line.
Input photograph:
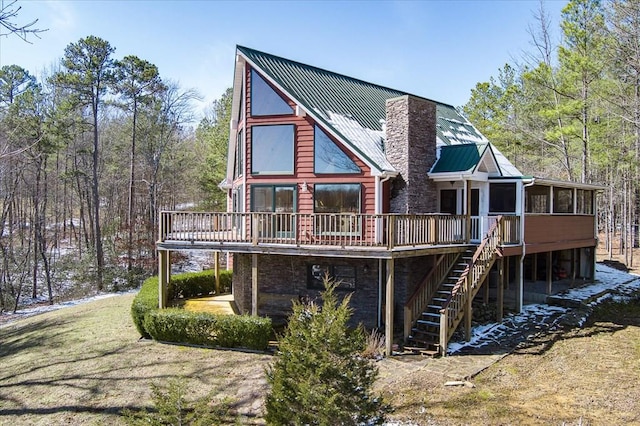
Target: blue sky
[435,49]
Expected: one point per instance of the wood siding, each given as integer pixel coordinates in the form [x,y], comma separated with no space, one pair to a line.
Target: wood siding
[558,232]
[303,159]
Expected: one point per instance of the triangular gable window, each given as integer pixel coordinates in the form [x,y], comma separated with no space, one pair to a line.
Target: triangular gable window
[265,100]
[328,157]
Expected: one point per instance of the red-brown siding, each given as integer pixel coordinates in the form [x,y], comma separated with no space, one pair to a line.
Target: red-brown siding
[558,232]
[303,159]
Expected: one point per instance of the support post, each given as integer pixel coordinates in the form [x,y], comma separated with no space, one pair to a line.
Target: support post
[507,272]
[163,278]
[500,307]
[549,272]
[534,267]
[467,186]
[469,314]
[388,318]
[254,284]
[575,260]
[486,284]
[519,282]
[216,270]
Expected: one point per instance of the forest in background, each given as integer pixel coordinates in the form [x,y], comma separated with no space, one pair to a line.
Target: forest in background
[569,108]
[90,152]
[94,148]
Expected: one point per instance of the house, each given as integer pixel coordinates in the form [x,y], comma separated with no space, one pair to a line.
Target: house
[398,197]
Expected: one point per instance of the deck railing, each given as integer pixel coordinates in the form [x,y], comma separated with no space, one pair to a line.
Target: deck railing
[340,229]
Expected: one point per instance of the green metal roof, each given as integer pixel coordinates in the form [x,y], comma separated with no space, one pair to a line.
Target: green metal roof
[355,109]
[459,158]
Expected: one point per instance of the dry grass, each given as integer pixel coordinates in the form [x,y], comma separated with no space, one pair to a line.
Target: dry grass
[85,364]
[575,377]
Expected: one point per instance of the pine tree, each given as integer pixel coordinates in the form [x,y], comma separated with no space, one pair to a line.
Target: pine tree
[320,376]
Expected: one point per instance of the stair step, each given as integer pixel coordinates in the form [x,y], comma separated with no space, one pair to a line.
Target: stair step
[443,292]
[430,315]
[415,331]
[423,351]
[438,307]
[428,323]
[439,299]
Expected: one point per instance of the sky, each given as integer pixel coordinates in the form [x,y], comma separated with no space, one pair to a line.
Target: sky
[434,49]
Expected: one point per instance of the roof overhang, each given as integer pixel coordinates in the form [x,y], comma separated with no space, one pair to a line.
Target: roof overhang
[563,183]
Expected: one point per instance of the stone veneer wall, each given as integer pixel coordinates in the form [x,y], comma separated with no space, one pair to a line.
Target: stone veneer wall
[411,148]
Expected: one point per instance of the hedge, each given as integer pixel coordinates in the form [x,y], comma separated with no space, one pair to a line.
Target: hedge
[180,326]
[200,328]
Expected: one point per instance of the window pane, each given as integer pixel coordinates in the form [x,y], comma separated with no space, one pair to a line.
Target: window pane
[264,100]
[239,168]
[262,197]
[272,149]
[537,199]
[584,202]
[328,158]
[284,200]
[562,200]
[337,198]
[502,198]
[448,201]
[343,275]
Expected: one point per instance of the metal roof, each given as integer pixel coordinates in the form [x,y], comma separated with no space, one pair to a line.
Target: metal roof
[459,158]
[353,109]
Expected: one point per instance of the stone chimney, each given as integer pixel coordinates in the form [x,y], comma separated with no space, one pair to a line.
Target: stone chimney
[411,149]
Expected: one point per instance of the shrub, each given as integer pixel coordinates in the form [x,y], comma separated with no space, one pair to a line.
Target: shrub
[145,301]
[201,328]
[320,377]
[186,285]
[173,408]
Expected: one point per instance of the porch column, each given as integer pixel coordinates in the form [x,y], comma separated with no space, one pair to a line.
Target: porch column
[216,270]
[254,284]
[164,271]
[549,271]
[467,209]
[388,315]
[500,307]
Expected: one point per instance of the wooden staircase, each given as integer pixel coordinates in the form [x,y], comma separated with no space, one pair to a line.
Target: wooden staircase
[444,297]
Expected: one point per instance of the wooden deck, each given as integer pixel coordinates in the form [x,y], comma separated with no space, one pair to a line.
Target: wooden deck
[355,235]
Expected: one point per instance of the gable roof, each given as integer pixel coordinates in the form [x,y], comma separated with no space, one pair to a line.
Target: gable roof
[353,110]
[459,158]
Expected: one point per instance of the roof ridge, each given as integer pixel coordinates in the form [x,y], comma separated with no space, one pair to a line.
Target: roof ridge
[248,50]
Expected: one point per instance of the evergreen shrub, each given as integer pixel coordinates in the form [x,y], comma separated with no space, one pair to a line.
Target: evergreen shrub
[201,328]
[320,376]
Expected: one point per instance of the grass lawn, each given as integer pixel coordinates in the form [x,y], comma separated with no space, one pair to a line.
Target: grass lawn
[585,376]
[84,364]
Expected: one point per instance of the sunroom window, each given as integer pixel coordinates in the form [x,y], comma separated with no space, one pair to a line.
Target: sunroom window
[328,157]
[502,198]
[562,200]
[272,149]
[537,199]
[265,100]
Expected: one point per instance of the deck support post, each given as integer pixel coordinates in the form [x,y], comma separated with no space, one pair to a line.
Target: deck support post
[216,270]
[534,267]
[507,272]
[500,307]
[549,271]
[164,276]
[519,275]
[388,315]
[254,284]
[469,312]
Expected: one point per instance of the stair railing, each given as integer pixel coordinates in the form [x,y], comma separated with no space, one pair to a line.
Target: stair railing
[468,284]
[421,297]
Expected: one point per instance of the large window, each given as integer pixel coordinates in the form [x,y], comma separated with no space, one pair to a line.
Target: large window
[277,199]
[337,198]
[272,149]
[344,275]
[328,157]
[562,200]
[537,199]
[448,201]
[265,100]
[502,198]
